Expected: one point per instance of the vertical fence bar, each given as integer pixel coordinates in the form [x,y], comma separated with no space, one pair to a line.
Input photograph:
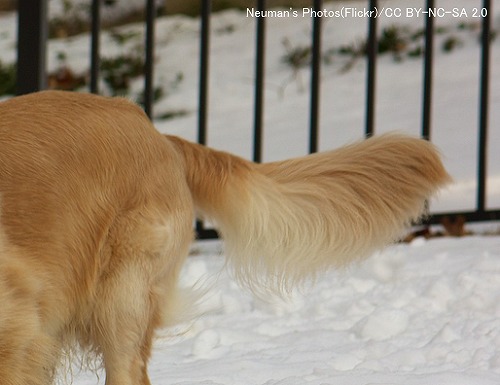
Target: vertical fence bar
[206,7]
[149,62]
[31,50]
[483,106]
[427,88]
[260,62]
[315,78]
[372,48]
[428,59]
[94,46]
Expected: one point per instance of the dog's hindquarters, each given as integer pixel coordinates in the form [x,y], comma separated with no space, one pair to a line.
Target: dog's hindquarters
[97,209]
[282,222]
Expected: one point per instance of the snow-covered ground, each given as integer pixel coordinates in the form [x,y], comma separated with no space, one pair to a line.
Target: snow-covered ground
[423,313]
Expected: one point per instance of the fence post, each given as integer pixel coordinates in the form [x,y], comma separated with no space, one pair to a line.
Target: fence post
[428,59]
[149,62]
[260,58]
[31,46]
[206,8]
[483,106]
[94,46]
[371,69]
[315,78]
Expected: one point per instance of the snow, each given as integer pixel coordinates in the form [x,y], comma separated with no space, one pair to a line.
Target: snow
[421,313]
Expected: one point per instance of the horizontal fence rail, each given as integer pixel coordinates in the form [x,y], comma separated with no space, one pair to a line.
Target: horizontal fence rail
[32,39]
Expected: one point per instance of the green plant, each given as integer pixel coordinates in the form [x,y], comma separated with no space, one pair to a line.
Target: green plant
[296,56]
[7,79]
[73,21]
[123,37]
[393,40]
[117,72]
[416,52]
[353,52]
[451,43]
[173,114]
[157,95]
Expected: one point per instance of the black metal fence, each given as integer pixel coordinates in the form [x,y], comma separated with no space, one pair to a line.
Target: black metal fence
[32,37]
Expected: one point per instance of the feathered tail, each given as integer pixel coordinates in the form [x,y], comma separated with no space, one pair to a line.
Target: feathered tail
[283,222]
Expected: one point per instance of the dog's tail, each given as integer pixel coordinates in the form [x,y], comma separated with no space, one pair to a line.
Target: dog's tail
[284,221]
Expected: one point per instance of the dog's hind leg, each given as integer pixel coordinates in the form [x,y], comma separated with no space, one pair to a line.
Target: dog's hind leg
[122,317]
[28,354]
[137,291]
[124,320]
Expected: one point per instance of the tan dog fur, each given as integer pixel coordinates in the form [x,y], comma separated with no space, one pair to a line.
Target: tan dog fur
[96,215]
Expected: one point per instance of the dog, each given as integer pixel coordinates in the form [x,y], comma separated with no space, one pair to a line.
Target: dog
[96,219]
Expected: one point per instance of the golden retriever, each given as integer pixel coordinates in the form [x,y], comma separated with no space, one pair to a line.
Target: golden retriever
[96,218]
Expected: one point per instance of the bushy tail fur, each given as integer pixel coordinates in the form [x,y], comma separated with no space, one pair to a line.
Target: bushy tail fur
[284,221]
